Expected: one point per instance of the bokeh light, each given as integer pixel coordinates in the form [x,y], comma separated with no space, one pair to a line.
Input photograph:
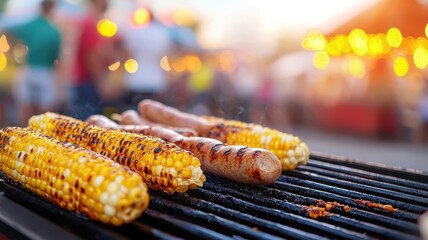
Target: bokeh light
[141,17]
[358,41]
[401,66]
[374,45]
[394,37]
[193,63]
[131,65]
[106,27]
[3,61]
[113,67]
[356,67]
[426,30]
[4,45]
[314,41]
[178,64]
[420,57]
[321,60]
[164,64]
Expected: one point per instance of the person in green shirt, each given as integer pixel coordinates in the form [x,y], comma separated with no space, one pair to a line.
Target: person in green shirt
[36,91]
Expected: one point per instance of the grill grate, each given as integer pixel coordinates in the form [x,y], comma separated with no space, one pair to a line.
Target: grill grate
[223,209]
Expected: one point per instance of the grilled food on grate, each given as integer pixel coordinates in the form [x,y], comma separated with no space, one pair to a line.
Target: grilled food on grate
[237,163]
[290,150]
[72,177]
[162,165]
[128,118]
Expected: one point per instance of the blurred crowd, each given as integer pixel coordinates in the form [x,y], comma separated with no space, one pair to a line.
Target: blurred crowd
[89,64]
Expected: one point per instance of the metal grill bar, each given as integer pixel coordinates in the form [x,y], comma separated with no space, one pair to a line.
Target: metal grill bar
[209,218]
[263,224]
[375,191]
[277,215]
[195,230]
[343,196]
[367,175]
[282,199]
[335,220]
[364,181]
[405,173]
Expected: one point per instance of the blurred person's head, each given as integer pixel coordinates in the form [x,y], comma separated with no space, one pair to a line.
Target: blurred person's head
[100,6]
[47,6]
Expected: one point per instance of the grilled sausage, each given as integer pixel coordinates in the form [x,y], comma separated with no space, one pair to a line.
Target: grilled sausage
[238,163]
[131,117]
[158,112]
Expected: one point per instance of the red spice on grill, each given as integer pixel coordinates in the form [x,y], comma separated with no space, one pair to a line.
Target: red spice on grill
[370,204]
[330,205]
[315,212]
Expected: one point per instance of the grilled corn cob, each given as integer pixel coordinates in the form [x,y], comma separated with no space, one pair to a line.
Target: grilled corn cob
[71,177]
[162,165]
[290,150]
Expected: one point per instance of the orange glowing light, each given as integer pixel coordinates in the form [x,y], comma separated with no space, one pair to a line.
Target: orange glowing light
[141,16]
[4,45]
[426,30]
[356,67]
[358,41]
[321,60]
[106,27]
[3,61]
[164,64]
[131,65]
[394,37]
[114,66]
[420,57]
[401,66]
[193,63]
[179,64]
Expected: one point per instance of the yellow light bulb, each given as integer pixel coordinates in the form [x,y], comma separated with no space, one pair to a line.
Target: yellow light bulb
[131,65]
[321,60]
[401,66]
[394,37]
[106,27]
[420,57]
[141,16]
[358,41]
[3,61]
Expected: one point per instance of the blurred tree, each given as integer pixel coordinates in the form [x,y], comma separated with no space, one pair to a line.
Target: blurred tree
[3,4]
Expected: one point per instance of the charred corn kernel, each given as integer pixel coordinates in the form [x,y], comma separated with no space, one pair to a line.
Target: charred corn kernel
[146,155]
[290,150]
[52,176]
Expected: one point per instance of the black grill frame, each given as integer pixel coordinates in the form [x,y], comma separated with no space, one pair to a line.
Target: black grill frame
[223,209]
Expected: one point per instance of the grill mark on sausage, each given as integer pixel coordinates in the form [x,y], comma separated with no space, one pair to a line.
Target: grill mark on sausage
[228,151]
[199,145]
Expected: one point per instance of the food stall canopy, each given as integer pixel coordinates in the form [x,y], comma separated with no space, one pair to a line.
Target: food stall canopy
[410,16]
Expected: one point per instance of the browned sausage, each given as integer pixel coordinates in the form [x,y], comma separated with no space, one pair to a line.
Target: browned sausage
[131,117]
[237,163]
[158,112]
